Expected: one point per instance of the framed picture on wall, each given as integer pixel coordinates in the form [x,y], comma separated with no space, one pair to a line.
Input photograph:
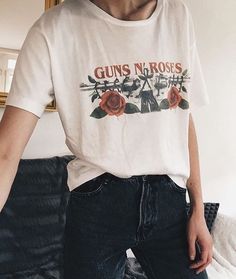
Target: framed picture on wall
[8,58]
[51,3]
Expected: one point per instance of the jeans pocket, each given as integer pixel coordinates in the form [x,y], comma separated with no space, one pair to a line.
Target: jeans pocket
[175,186]
[91,187]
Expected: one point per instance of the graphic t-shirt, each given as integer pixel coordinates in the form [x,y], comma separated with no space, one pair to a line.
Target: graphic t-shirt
[123,89]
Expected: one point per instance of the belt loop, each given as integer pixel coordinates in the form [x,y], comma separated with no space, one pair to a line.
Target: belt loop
[144,176]
[108,177]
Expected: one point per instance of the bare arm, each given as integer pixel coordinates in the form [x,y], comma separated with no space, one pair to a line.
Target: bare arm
[194,180]
[196,228]
[16,128]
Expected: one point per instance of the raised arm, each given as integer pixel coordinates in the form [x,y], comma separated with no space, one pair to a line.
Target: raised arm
[16,128]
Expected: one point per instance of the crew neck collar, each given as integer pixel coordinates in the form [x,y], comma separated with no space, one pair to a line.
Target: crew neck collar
[104,15]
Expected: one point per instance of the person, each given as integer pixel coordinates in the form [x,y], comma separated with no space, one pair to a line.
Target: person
[125,76]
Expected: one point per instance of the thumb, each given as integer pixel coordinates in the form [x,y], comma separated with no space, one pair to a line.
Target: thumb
[191,248]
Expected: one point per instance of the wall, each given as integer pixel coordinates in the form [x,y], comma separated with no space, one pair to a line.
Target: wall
[16,17]
[215,25]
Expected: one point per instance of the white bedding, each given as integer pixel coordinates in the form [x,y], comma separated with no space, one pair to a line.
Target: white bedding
[223,264]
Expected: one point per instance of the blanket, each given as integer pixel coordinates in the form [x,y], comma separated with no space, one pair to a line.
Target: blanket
[223,265]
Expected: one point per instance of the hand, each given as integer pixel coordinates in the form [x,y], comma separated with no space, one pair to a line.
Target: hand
[197,230]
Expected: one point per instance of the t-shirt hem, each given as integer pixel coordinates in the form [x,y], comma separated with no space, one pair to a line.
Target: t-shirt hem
[179,180]
[82,179]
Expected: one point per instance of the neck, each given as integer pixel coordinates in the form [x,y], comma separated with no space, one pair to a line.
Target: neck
[127,9]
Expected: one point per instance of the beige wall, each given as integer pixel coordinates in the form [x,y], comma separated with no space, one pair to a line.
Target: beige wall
[215,25]
[16,16]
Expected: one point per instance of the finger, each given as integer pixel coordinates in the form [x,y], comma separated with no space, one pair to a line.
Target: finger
[200,270]
[204,254]
[209,260]
[201,267]
[191,248]
[196,264]
[203,259]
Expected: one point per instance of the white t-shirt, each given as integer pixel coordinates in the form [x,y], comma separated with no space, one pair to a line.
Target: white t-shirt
[123,89]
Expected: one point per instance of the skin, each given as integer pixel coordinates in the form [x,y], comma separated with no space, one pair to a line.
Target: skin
[17,126]
[196,227]
[127,10]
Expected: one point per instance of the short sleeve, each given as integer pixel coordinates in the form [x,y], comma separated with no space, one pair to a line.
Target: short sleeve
[32,88]
[198,89]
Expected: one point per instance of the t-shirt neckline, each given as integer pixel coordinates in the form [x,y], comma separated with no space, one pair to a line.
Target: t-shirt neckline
[106,16]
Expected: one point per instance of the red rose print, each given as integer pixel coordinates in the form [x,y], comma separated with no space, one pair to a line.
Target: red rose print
[112,103]
[173,97]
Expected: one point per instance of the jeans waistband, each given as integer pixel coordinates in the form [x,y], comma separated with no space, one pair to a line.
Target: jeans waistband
[143,177]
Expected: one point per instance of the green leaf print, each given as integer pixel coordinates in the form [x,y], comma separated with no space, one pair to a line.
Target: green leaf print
[94,97]
[185,72]
[131,108]
[92,80]
[184,104]
[184,89]
[164,104]
[98,113]
[142,77]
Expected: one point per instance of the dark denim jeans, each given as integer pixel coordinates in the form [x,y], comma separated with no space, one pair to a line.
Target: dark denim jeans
[108,215]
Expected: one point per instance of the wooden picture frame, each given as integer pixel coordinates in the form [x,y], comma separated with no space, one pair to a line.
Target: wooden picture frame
[51,3]
[14,52]
[6,54]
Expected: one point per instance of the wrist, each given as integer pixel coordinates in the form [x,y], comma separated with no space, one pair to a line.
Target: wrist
[197,209]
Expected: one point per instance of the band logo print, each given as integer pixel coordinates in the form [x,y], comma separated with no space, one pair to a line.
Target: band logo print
[152,87]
